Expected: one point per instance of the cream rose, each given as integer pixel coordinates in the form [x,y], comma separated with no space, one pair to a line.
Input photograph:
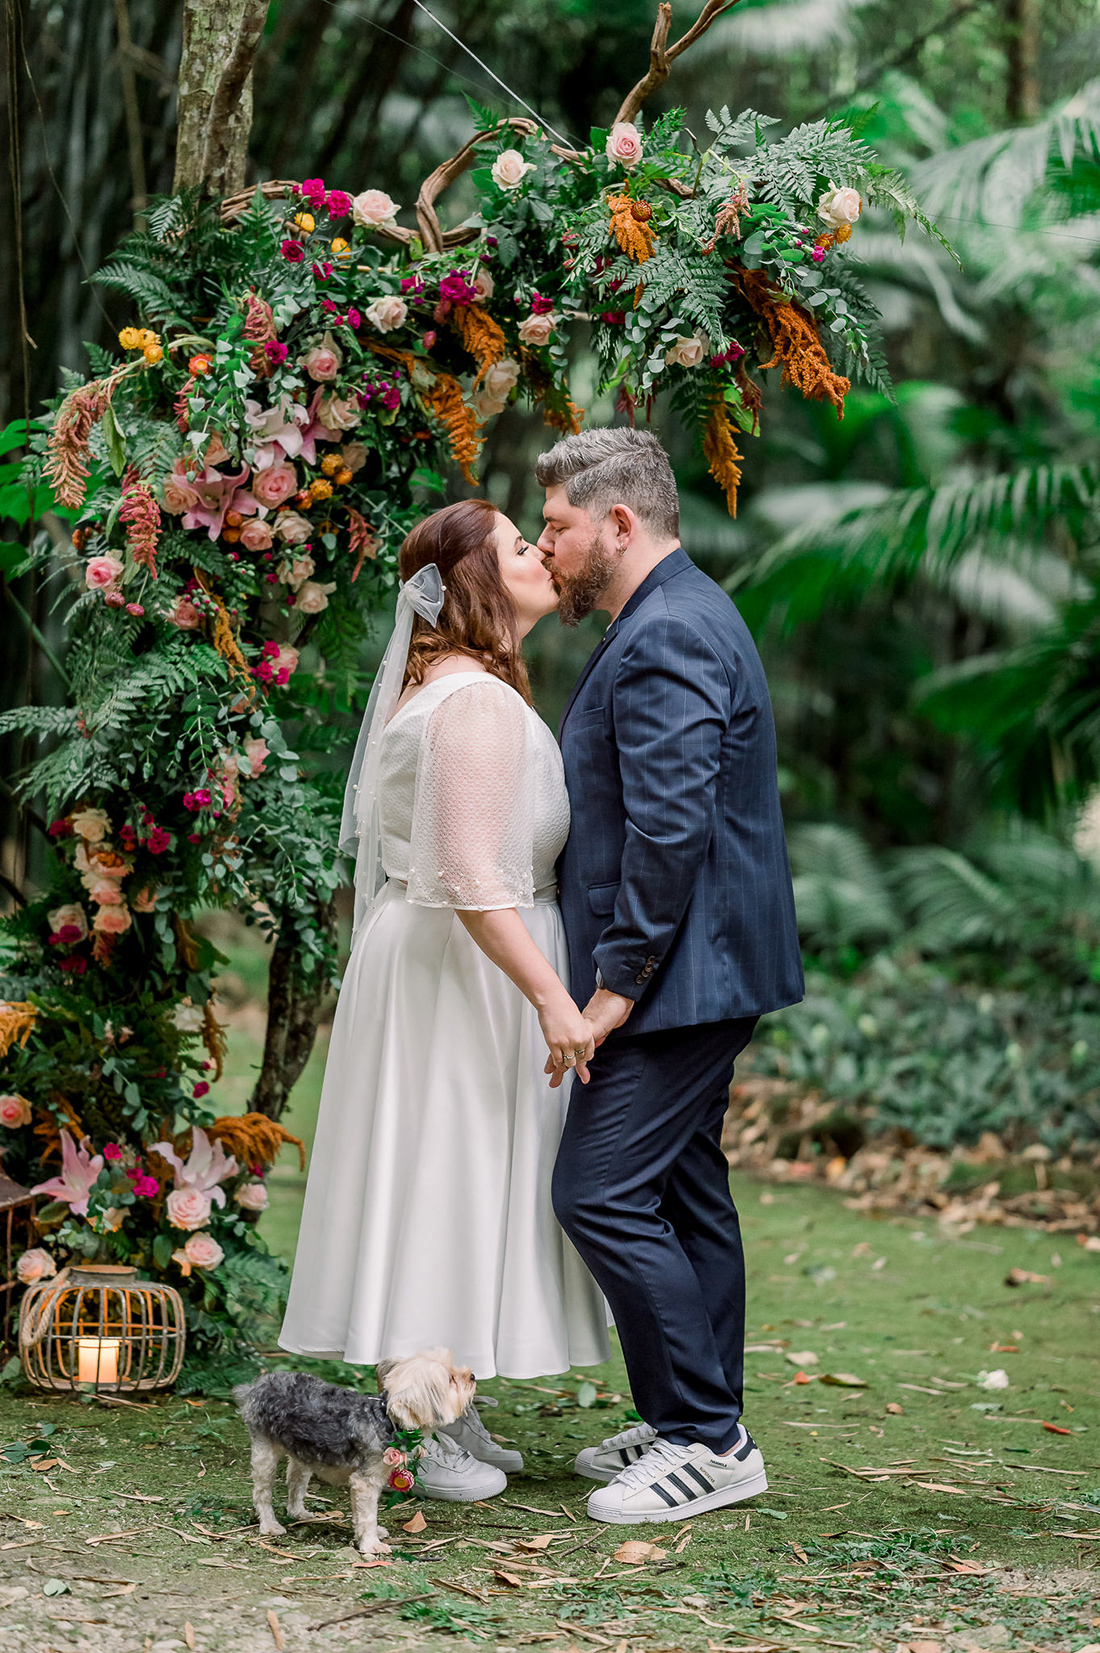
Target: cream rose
[839,206]
[72,913]
[92,825]
[35,1265]
[101,573]
[486,406]
[292,528]
[179,496]
[501,379]
[373,207]
[354,455]
[339,412]
[104,892]
[484,283]
[188,1207]
[536,330]
[686,352]
[203,1251]
[187,1017]
[323,362]
[256,535]
[510,169]
[387,313]
[14,1111]
[624,144]
[252,1196]
[297,571]
[275,484]
[112,921]
[313,596]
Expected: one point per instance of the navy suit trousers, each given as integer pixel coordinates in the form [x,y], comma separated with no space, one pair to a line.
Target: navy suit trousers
[641,1186]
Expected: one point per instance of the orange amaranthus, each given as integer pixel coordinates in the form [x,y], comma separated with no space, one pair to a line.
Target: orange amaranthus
[630,227]
[481,337]
[720,453]
[795,341]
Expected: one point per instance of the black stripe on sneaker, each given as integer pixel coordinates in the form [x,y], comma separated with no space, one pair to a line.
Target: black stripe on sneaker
[663,1492]
[638,1451]
[743,1451]
[682,1486]
[697,1475]
[624,1456]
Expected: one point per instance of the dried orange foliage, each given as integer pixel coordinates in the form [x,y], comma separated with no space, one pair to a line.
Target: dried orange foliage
[213,1037]
[459,421]
[50,1131]
[17,1020]
[720,453]
[796,342]
[253,1139]
[187,948]
[66,468]
[481,337]
[636,240]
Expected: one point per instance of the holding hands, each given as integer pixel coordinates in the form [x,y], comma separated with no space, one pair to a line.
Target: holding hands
[604,1012]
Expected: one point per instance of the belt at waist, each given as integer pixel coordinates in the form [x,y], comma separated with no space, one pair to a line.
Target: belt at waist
[543,897]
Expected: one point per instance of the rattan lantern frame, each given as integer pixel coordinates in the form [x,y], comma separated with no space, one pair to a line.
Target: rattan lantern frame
[98,1327]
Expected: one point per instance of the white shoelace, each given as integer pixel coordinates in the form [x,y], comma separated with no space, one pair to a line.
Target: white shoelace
[440,1448]
[661,1457]
[472,1419]
[640,1435]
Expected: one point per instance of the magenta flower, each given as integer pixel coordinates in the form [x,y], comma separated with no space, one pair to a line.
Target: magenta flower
[354,318]
[79,1172]
[455,289]
[61,829]
[541,306]
[314,190]
[293,252]
[275,352]
[146,1186]
[339,203]
[111,1150]
[818,255]
[158,841]
[200,1089]
[322,271]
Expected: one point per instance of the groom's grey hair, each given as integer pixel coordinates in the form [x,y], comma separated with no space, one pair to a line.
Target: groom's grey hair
[615,466]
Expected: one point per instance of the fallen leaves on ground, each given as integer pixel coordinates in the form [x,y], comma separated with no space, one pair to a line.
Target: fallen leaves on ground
[805,1358]
[635,1552]
[417,1524]
[1024,1277]
[843,1380]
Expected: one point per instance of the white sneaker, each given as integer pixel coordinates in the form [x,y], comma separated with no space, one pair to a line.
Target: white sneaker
[616,1453]
[444,1470]
[472,1435]
[672,1481]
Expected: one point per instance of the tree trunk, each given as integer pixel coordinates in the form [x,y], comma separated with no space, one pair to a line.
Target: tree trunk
[220,41]
[294,1000]
[1022,101]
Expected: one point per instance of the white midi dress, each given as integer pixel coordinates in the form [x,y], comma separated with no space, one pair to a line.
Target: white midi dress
[427,1215]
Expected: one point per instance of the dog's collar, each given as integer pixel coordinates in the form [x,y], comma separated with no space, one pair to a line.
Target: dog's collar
[384,1398]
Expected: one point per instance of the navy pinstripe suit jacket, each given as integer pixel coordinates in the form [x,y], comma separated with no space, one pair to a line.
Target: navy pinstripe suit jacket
[675,882]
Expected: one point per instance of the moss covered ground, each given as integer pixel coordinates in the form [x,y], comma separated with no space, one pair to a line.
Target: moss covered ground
[919,1510]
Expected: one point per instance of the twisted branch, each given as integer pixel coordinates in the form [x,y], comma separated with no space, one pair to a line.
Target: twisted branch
[662,56]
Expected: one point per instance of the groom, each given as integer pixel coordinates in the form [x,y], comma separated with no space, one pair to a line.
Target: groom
[676,895]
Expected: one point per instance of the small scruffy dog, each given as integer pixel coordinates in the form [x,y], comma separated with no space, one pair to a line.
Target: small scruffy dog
[339,1435]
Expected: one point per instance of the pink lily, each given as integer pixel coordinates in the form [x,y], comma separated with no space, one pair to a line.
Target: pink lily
[216,496]
[280,433]
[205,1166]
[79,1170]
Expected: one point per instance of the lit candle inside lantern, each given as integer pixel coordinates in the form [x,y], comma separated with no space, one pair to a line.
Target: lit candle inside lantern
[97,1359]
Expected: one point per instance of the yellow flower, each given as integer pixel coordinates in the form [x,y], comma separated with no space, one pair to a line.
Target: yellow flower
[842,232]
[331,463]
[320,489]
[341,250]
[147,336]
[152,354]
[130,338]
[304,222]
[343,476]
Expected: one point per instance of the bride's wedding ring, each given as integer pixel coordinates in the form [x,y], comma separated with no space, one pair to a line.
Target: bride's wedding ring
[579,1050]
[569,1061]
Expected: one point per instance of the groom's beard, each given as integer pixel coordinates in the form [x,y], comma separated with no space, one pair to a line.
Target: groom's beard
[580,593]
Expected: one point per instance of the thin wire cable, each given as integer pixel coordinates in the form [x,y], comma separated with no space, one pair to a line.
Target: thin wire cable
[420,6]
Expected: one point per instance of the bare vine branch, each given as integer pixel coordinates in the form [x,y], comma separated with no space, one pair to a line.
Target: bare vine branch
[662,56]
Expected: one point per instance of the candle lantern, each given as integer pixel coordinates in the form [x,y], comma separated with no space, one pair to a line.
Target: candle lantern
[97,1326]
[16,1206]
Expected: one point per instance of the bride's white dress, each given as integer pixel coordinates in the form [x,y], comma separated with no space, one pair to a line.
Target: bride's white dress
[427,1215]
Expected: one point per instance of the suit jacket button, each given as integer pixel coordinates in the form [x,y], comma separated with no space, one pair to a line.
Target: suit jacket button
[640,981]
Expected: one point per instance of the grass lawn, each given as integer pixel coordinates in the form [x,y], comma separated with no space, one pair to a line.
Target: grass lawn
[981,1531]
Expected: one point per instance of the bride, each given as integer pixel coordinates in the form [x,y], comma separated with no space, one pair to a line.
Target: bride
[427,1214]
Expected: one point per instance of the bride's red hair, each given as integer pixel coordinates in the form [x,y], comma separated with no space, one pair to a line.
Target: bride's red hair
[478,617]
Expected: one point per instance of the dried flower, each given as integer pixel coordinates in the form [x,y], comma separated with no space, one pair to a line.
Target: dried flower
[141,514]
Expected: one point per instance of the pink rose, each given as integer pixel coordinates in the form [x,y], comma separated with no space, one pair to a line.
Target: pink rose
[188,1207]
[339,412]
[252,1196]
[686,352]
[256,751]
[179,496]
[839,206]
[185,615]
[145,900]
[373,207]
[296,571]
[324,360]
[484,283]
[102,572]
[104,892]
[112,921]
[393,1457]
[286,660]
[624,144]
[509,169]
[536,330]
[292,528]
[203,1251]
[14,1111]
[256,535]
[35,1265]
[387,313]
[275,484]
[486,406]
[72,913]
[313,597]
